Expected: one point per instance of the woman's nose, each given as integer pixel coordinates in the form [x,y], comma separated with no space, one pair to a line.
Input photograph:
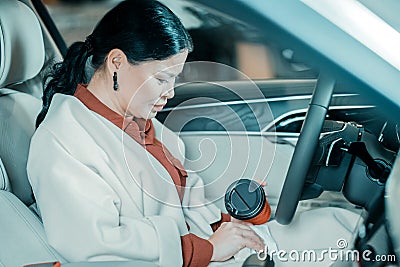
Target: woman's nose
[170,93]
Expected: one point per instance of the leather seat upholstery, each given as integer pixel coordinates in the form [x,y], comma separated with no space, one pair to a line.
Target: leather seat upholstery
[22,237]
[22,58]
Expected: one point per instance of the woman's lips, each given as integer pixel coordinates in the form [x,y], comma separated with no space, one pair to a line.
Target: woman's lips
[158,107]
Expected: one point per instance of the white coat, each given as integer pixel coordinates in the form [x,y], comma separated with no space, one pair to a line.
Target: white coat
[102,196]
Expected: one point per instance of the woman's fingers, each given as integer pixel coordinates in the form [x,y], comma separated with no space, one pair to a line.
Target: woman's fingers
[231,237]
[234,220]
[252,244]
[261,182]
[249,238]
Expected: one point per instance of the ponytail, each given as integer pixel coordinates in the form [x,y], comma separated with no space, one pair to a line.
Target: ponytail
[143,29]
[64,77]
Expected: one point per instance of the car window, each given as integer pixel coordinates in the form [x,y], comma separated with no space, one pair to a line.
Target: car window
[216,38]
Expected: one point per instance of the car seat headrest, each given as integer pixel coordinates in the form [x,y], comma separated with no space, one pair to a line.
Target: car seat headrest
[22,51]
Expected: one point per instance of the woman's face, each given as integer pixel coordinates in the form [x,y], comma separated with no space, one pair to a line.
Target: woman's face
[145,88]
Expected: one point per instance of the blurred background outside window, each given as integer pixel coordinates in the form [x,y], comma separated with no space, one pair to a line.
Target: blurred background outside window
[216,39]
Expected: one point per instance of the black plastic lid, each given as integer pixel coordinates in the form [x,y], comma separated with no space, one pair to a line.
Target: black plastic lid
[244,199]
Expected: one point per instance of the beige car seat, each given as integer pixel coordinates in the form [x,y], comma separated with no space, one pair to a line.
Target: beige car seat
[22,237]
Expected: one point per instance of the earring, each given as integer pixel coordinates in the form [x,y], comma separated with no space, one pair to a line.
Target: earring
[115,81]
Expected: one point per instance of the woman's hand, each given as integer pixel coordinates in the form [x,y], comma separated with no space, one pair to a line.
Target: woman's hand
[232,237]
[234,220]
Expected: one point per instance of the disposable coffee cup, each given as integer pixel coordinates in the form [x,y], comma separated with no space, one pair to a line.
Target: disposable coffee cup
[245,200]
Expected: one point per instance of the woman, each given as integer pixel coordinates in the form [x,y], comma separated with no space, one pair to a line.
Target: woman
[107,189]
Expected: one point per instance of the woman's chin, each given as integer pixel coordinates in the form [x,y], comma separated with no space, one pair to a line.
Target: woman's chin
[152,114]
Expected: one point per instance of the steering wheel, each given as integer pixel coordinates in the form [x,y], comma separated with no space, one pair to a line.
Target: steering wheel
[304,150]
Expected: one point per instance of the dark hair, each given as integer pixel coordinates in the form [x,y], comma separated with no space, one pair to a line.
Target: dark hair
[143,29]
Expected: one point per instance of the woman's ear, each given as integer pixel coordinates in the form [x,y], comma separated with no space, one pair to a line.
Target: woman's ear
[116,59]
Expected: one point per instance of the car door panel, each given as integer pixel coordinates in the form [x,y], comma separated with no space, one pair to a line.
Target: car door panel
[222,158]
[238,106]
